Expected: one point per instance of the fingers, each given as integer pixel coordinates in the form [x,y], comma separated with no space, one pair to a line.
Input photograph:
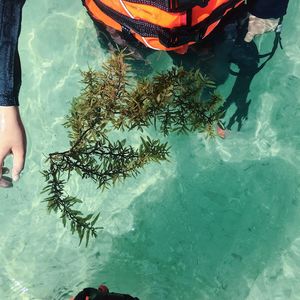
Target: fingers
[249,37]
[2,168]
[4,183]
[5,170]
[258,26]
[18,163]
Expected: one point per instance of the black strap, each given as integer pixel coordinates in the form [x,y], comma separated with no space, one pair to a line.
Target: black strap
[168,37]
[277,41]
[172,5]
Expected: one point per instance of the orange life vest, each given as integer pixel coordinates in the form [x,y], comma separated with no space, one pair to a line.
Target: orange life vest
[162,24]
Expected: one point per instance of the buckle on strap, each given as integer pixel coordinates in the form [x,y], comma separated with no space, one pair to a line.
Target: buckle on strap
[180,36]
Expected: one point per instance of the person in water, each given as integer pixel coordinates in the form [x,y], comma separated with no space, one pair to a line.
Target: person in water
[264,16]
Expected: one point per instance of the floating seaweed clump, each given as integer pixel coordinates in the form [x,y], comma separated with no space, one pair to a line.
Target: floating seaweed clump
[111,100]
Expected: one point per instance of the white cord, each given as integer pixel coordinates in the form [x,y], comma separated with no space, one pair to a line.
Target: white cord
[132,17]
[145,41]
[124,6]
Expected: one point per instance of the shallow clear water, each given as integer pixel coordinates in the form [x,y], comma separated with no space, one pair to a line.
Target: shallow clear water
[221,221]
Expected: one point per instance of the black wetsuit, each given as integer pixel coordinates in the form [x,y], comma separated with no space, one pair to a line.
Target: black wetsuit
[10,69]
[266,9]
[10,23]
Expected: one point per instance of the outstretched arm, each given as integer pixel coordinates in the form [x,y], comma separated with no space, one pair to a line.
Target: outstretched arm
[264,16]
[12,134]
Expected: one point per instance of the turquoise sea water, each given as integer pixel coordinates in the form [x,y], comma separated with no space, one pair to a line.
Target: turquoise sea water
[220,221]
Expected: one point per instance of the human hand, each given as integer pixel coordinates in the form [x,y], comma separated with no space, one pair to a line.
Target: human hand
[12,141]
[259,26]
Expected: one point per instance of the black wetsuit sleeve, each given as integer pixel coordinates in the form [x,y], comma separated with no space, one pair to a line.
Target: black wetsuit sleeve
[267,9]
[10,69]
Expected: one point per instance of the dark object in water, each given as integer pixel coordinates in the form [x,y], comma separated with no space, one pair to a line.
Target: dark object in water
[102,294]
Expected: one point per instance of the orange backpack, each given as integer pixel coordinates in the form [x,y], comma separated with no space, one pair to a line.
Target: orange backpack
[162,24]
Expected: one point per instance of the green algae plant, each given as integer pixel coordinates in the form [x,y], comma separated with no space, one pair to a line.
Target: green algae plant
[111,100]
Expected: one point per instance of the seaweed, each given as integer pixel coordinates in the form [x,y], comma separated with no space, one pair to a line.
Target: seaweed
[112,100]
